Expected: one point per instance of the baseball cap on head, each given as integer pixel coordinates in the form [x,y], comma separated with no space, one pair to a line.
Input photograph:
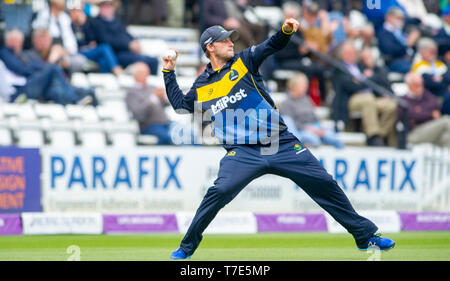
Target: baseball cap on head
[216,33]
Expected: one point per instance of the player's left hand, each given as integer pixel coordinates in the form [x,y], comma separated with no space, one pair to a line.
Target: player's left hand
[290,25]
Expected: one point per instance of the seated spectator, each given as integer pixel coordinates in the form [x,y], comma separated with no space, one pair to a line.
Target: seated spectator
[102,54]
[296,57]
[377,14]
[339,12]
[43,51]
[442,36]
[230,15]
[298,113]
[59,25]
[315,28]
[395,45]
[250,33]
[6,84]
[17,15]
[376,73]
[378,114]
[107,29]
[147,105]
[426,125]
[435,73]
[158,16]
[35,79]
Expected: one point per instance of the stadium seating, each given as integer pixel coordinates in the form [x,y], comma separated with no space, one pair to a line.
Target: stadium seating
[110,123]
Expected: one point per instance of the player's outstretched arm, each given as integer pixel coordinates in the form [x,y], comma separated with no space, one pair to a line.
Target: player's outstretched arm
[180,102]
[273,44]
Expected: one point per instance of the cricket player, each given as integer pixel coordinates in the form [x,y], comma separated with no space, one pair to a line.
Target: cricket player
[255,137]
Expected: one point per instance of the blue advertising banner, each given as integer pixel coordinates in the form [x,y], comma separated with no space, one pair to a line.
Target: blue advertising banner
[20,184]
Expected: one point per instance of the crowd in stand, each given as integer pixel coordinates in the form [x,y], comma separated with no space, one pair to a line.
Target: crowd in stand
[343,48]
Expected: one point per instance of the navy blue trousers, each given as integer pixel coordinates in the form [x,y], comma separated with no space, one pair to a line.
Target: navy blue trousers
[246,163]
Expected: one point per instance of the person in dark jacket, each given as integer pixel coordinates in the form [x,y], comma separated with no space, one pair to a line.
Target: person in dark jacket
[231,94]
[147,104]
[397,46]
[41,81]
[297,57]
[102,54]
[426,124]
[378,114]
[106,28]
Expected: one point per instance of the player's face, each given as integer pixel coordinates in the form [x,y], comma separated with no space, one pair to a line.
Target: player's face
[224,49]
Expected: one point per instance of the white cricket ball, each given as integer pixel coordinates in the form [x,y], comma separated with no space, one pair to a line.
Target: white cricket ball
[170,54]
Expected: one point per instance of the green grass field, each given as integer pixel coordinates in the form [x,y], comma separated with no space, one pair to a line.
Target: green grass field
[417,246]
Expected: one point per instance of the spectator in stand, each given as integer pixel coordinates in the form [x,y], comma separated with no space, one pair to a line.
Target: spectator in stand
[377,14]
[374,72]
[298,113]
[316,28]
[17,15]
[147,105]
[107,29]
[230,15]
[296,57]
[378,114]
[435,73]
[426,125]
[344,6]
[395,45]
[442,36]
[34,79]
[158,9]
[43,50]
[6,84]
[59,24]
[339,17]
[251,33]
[102,54]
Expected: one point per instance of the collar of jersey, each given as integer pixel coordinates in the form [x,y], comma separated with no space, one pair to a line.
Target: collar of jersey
[210,71]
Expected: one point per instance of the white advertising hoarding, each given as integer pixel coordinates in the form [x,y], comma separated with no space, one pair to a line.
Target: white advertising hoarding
[223,223]
[174,179]
[62,223]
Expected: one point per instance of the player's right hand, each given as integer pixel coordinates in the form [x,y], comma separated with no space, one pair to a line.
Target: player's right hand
[290,25]
[168,62]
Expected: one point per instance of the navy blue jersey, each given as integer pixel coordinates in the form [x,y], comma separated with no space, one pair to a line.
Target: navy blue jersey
[234,97]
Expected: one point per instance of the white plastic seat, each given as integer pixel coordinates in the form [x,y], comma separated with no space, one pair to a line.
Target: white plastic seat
[85,113]
[103,80]
[125,81]
[61,133]
[113,110]
[400,89]
[91,134]
[29,134]
[122,134]
[52,111]
[79,79]
[62,138]
[106,94]
[21,111]
[6,137]
[165,33]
